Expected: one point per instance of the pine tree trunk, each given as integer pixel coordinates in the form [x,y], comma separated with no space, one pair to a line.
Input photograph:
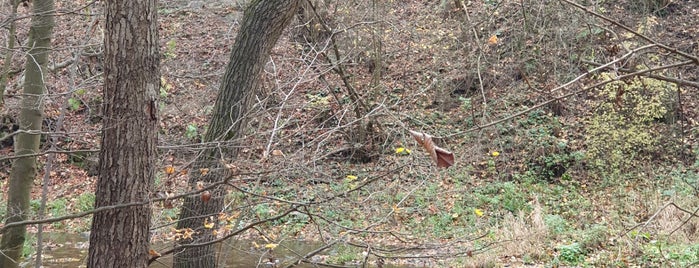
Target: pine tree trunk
[24,169]
[262,26]
[120,237]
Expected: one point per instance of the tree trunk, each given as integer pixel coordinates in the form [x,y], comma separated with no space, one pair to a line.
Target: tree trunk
[120,237]
[262,26]
[24,168]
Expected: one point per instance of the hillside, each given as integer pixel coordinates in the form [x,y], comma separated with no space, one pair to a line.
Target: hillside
[558,161]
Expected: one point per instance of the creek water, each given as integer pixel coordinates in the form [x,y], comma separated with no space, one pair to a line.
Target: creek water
[70,250]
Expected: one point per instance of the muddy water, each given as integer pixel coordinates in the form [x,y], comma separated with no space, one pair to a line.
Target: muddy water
[70,250]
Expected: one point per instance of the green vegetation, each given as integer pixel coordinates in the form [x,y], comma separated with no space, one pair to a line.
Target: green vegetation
[621,133]
[29,246]
[86,201]
[571,254]
[58,208]
[345,255]
[75,102]
[170,49]
[191,131]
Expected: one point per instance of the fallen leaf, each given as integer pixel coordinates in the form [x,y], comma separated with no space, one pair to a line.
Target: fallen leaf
[153,253]
[402,150]
[205,196]
[208,225]
[169,170]
[277,153]
[493,40]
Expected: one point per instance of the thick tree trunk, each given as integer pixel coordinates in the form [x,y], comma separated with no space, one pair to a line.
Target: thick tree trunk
[262,26]
[27,143]
[120,237]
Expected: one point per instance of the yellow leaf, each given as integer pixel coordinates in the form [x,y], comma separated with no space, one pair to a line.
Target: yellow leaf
[184,233]
[495,154]
[271,246]
[493,40]
[169,170]
[351,177]
[208,225]
[401,150]
[478,212]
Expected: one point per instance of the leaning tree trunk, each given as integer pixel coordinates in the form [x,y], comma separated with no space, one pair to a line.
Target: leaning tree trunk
[120,237]
[262,26]
[27,142]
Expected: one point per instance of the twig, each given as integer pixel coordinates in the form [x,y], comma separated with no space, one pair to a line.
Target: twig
[693,58]
[282,106]
[57,13]
[5,72]
[232,234]
[478,61]
[117,206]
[577,91]
[308,255]
[50,152]
[654,76]
[691,216]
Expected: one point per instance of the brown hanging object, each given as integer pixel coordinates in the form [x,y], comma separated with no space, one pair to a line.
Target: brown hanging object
[442,157]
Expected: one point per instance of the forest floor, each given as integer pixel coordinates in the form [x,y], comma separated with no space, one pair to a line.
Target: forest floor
[543,176]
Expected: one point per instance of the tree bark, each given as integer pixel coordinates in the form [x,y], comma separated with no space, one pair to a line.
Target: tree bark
[120,237]
[262,26]
[24,169]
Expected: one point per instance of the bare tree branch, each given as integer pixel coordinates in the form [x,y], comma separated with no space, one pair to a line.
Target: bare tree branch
[654,76]
[693,58]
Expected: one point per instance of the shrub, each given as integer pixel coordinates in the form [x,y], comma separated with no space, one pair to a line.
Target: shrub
[543,146]
[571,254]
[621,132]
